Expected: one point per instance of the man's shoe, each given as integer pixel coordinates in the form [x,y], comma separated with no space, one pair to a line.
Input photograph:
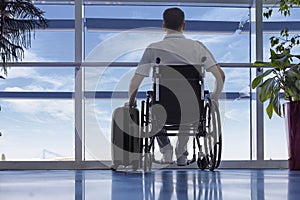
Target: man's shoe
[167,156]
[182,157]
[182,161]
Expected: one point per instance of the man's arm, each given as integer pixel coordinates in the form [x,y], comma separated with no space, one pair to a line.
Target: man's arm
[219,76]
[133,88]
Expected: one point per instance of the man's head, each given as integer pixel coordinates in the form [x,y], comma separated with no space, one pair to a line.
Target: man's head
[174,19]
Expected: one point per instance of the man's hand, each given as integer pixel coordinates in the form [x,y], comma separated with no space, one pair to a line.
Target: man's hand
[214,97]
[130,104]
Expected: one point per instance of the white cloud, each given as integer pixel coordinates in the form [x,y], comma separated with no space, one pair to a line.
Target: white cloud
[14,89]
[120,44]
[211,39]
[235,114]
[221,14]
[30,56]
[2,81]
[21,72]
[58,109]
[125,44]
[38,82]
[56,82]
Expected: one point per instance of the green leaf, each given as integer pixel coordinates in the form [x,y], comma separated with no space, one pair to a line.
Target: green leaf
[262,64]
[280,61]
[294,73]
[266,89]
[288,92]
[293,40]
[269,109]
[259,78]
[276,104]
[297,84]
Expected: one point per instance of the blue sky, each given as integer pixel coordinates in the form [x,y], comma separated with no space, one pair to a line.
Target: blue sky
[30,126]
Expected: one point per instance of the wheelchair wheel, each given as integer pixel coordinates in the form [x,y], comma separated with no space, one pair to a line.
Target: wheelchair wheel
[202,163]
[218,134]
[212,139]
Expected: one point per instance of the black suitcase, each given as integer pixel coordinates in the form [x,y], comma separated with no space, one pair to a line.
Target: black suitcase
[125,136]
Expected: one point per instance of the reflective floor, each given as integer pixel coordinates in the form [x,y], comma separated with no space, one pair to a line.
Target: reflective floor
[159,184]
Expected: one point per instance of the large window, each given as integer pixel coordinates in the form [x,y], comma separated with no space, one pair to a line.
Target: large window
[37,129]
[274,129]
[56,43]
[39,102]
[37,113]
[37,109]
[120,44]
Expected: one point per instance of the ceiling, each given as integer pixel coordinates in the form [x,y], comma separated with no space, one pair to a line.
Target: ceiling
[223,3]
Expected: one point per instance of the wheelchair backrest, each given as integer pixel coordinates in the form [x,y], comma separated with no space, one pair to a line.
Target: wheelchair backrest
[178,89]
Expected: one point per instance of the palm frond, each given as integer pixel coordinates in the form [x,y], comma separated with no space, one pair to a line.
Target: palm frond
[18,19]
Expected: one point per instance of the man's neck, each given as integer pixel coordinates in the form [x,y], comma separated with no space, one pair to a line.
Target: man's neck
[174,32]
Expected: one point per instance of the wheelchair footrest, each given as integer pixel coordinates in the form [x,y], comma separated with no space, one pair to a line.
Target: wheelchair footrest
[162,163]
[191,161]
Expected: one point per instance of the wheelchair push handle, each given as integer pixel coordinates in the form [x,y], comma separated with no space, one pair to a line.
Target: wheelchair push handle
[157,61]
[150,93]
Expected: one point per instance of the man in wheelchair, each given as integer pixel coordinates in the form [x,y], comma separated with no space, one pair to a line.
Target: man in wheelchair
[177,51]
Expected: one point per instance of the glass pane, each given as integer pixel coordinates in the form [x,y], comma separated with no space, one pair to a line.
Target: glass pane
[275,137]
[58,11]
[97,137]
[112,79]
[155,12]
[267,46]
[235,112]
[254,116]
[276,16]
[274,129]
[128,45]
[227,48]
[39,79]
[51,46]
[281,22]
[37,129]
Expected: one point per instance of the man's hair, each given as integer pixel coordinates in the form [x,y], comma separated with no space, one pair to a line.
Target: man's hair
[173,18]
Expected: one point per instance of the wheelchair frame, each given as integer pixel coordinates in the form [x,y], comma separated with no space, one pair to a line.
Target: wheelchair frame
[207,136]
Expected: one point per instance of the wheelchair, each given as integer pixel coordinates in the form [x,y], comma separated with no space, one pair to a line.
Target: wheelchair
[178,104]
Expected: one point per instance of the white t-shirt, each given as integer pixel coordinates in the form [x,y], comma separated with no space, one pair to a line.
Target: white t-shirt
[175,49]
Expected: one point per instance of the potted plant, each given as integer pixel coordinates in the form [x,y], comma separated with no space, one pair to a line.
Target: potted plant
[18,18]
[283,80]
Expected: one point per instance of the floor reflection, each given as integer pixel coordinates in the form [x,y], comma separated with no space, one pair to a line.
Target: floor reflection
[129,185]
[79,185]
[159,184]
[167,185]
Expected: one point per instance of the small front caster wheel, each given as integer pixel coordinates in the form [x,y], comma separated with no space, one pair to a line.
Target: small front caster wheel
[202,163]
